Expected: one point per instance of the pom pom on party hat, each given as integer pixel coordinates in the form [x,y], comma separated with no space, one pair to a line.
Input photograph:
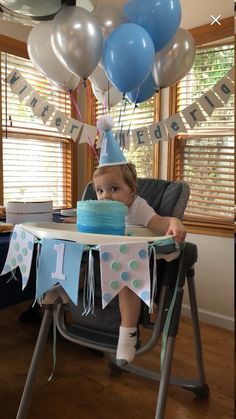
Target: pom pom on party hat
[111,154]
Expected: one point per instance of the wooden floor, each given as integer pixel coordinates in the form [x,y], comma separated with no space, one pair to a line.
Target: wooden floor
[83,386]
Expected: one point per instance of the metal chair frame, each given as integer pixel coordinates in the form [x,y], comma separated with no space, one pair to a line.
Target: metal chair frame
[106,342]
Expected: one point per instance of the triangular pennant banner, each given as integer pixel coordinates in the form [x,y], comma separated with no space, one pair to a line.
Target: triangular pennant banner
[123,265]
[59,263]
[20,253]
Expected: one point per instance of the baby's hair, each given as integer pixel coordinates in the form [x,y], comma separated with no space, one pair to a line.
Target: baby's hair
[128,171]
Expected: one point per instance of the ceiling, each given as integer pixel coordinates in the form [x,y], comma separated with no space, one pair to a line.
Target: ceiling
[194,13]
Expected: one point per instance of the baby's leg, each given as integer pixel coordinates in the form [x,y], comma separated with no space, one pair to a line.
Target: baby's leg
[130,306]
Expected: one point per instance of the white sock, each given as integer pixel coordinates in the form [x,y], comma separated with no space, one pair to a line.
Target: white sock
[126,347]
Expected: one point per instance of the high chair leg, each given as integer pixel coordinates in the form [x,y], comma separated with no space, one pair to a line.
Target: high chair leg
[39,347]
[203,389]
[165,379]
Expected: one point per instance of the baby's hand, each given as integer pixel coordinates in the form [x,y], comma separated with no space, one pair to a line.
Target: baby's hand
[176,229]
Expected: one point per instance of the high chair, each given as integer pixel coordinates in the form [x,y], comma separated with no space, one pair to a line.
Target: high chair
[100,332]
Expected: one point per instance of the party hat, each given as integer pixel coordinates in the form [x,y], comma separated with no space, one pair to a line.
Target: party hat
[111,154]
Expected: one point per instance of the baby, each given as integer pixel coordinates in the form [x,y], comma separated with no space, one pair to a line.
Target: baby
[118,183]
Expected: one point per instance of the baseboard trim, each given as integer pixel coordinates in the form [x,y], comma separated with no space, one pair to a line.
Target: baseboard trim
[210,317]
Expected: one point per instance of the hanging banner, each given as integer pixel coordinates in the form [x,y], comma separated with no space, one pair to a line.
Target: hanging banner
[158,132]
[140,137]
[23,89]
[45,111]
[88,134]
[175,125]
[193,114]
[59,120]
[125,265]
[224,88]
[20,253]
[73,128]
[123,139]
[59,263]
[216,97]
[209,102]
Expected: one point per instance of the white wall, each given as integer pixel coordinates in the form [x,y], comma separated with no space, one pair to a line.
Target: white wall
[214,280]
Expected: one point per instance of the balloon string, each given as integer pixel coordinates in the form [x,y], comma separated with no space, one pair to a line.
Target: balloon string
[108,96]
[135,105]
[94,116]
[78,113]
[124,108]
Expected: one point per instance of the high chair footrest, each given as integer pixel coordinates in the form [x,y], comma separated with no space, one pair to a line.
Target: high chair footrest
[101,338]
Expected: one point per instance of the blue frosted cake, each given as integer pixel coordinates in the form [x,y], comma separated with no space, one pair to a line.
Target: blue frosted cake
[101,217]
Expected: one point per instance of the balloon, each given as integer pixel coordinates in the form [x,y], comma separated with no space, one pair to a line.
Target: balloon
[128,56]
[109,17]
[160,18]
[45,60]
[77,40]
[34,9]
[144,92]
[67,86]
[99,79]
[109,98]
[175,60]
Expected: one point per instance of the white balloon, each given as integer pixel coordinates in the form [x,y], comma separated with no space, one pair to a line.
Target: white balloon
[45,60]
[109,98]
[99,79]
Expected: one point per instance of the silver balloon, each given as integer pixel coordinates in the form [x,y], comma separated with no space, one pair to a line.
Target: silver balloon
[45,60]
[32,9]
[175,60]
[109,17]
[77,40]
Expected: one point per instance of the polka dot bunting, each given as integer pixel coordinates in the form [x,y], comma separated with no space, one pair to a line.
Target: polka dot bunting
[133,264]
[124,265]
[20,253]
[142,253]
[123,248]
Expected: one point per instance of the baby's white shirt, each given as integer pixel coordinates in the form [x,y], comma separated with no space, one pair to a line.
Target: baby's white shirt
[139,213]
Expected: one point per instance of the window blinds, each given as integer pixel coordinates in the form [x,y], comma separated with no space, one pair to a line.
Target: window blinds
[36,158]
[205,157]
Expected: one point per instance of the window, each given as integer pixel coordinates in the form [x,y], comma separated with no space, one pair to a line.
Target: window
[128,117]
[36,162]
[205,157]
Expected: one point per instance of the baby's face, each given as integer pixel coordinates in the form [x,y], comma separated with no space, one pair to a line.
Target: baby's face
[111,186]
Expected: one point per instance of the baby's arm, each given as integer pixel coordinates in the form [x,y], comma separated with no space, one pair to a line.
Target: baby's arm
[168,226]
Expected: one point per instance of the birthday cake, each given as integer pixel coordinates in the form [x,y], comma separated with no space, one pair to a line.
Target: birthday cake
[101,217]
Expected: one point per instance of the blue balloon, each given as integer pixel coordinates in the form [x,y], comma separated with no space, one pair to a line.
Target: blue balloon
[144,92]
[128,56]
[160,18]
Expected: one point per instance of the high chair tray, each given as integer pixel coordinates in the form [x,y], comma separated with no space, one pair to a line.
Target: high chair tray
[51,230]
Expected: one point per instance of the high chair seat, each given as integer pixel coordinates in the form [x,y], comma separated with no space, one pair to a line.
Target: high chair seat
[100,330]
